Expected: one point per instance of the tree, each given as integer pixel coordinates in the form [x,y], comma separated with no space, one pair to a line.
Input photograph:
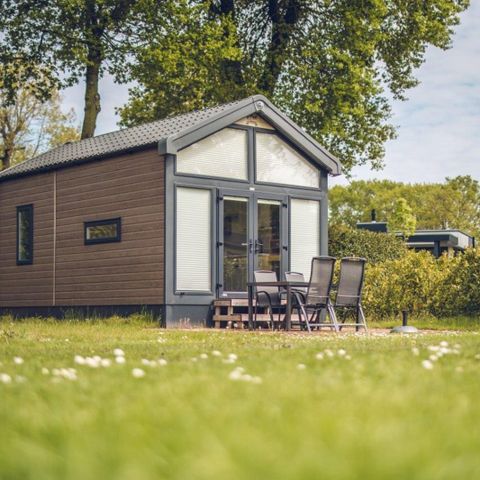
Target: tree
[75,39]
[29,126]
[331,65]
[402,220]
[453,204]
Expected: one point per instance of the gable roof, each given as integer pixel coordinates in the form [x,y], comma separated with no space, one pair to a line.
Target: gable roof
[173,133]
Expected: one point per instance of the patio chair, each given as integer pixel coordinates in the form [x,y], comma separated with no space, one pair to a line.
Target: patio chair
[349,291]
[312,304]
[269,296]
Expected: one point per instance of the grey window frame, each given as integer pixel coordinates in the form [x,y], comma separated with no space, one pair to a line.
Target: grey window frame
[25,209]
[97,223]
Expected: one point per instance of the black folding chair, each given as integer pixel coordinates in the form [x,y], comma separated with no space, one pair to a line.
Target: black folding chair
[269,297]
[349,291]
[316,300]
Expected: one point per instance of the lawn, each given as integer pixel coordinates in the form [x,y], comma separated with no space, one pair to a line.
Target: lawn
[366,408]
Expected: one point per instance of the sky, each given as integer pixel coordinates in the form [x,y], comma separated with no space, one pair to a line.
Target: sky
[438,127]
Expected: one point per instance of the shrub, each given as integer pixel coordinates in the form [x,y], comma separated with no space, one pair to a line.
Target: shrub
[375,247]
[423,285]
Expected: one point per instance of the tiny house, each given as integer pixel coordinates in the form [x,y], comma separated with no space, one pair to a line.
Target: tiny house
[166,216]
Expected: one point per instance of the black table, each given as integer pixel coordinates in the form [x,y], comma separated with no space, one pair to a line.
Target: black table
[287,286]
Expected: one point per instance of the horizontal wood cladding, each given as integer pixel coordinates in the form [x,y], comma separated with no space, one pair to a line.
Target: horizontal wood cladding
[125,273]
[27,285]
[65,271]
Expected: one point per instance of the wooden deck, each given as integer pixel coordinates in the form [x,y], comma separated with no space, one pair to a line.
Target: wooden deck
[233,313]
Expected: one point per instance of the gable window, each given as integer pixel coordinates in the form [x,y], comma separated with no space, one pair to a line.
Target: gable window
[25,235]
[223,154]
[278,162]
[103,231]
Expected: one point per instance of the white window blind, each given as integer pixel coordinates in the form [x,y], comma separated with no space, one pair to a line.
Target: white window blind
[223,154]
[193,239]
[304,234]
[278,162]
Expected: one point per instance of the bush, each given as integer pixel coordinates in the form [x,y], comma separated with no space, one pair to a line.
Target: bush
[375,247]
[423,285]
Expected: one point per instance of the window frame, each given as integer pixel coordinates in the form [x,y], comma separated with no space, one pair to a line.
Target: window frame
[295,148]
[96,223]
[28,209]
[211,177]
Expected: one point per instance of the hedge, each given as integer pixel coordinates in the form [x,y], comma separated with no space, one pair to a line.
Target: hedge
[421,284]
[375,247]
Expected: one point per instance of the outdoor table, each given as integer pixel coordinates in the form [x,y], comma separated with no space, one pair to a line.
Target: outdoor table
[288,286]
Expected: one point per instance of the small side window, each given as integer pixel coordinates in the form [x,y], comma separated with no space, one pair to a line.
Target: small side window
[25,235]
[103,231]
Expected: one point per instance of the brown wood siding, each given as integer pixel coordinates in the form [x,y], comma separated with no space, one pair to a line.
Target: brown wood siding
[67,272]
[129,272]
[27,285]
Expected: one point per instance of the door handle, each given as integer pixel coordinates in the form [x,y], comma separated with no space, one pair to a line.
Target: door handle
[249,244]
[258,246]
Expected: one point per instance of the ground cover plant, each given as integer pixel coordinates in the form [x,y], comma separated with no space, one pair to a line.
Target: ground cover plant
[126,400]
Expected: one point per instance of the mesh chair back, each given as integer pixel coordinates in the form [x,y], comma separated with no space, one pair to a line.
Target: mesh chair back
[321,278]
[350,284]
[266,276]
[296,277]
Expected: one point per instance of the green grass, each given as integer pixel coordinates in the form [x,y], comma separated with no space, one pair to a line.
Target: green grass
[379,415]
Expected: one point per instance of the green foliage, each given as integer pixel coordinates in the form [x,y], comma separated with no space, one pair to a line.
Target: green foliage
[419,283]
[375,247]
[332,66]
[31,126]
[402,219]
[454,204]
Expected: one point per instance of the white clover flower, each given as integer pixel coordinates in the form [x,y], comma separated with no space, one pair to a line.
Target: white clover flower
[433,358]
[235,375]
[415,351]
[97,358]
[78,359]
[232,356]
[120,360]
[444,344]
[45,371]
[301,366]
[145,362]
[92,362]
[341,352]
[138,373]
[329,353]
[118,352]
[17,360]
[203,356]
[348,357]
[319,356]
[162,362]
[433,348]
[427,364]
[216,353]
[105,362]
[5,378]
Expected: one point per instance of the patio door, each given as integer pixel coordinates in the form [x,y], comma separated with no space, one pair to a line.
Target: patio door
[252,235]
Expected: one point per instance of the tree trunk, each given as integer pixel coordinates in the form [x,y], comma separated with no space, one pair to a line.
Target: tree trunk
[283,22]
[6,158]
[92,97]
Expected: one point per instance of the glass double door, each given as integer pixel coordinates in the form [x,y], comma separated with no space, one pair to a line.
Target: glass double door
[252,236]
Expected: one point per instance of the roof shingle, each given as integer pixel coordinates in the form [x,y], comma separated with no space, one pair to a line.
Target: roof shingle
[132,138]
